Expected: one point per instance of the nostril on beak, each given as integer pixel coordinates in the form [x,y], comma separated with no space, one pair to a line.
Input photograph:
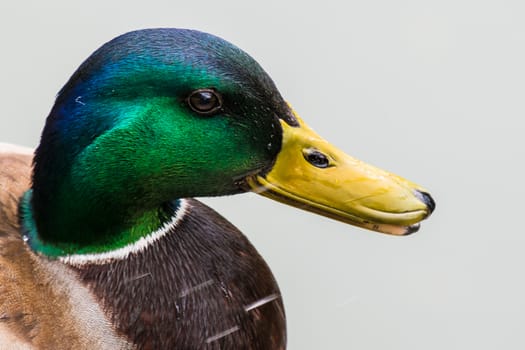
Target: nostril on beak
[427,199]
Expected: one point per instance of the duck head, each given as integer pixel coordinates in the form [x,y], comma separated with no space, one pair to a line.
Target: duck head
[160,114]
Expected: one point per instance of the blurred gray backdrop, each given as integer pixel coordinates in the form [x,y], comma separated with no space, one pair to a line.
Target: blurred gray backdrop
[431,90]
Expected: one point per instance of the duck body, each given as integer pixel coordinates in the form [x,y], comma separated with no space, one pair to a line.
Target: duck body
[200,282]
[101,244]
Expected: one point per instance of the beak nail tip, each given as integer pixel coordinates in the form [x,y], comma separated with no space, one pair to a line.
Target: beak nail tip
[427,199]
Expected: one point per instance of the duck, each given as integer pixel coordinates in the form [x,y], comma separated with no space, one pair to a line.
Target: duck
[102,245]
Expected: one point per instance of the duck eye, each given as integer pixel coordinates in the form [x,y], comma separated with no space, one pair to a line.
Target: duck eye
[204,101]
[316,158]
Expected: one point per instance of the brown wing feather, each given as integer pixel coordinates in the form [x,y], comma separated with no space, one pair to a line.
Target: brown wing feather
[42,304]
[15,177]
[15,171]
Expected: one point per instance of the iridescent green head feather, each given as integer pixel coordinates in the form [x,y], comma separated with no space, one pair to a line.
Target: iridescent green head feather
[122,138]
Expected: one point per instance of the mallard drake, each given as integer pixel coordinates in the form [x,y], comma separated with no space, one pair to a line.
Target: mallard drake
[101,245]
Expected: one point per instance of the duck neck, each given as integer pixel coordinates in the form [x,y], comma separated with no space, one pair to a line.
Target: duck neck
[77,208]
[89,228]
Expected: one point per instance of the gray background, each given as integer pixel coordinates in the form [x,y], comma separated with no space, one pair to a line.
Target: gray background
[431,90]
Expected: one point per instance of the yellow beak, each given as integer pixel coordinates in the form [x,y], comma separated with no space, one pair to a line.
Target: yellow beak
[311,174]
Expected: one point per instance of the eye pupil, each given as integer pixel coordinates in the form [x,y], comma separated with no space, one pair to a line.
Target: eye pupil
[204,101]
[316,158]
